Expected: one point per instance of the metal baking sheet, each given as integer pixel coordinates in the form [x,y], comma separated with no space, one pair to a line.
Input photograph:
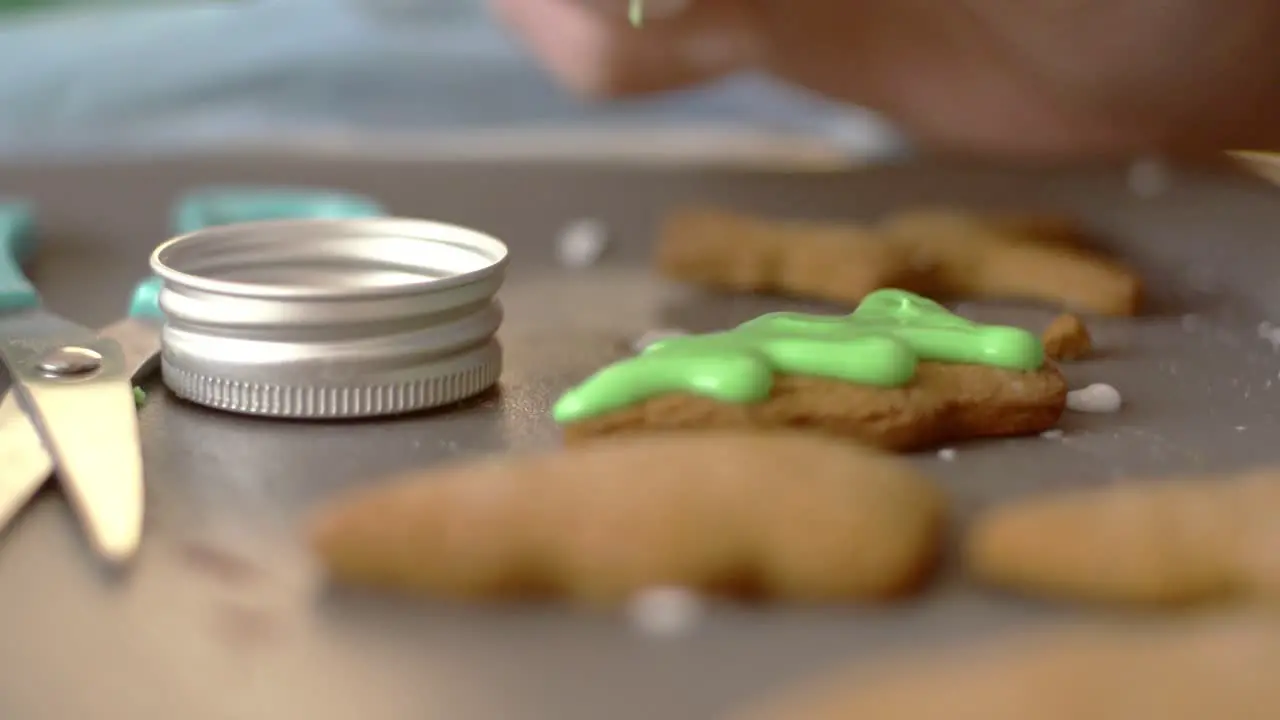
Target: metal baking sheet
[223,617]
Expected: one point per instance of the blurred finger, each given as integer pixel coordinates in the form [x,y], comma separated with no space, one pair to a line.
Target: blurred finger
[591,47]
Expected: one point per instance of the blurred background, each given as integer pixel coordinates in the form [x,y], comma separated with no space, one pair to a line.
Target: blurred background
[110,76]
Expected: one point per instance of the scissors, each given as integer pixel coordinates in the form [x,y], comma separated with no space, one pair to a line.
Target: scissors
[71,402]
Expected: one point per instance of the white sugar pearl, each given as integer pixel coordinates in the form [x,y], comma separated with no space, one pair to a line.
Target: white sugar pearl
[1054,434]
[1270,333]
[582,242]
[947,454]
[652,336]
[1149,177]
[1096,398]
[665,611]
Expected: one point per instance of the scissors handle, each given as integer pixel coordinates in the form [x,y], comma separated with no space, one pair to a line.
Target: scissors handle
[138,333]
[17,241]
[228,204]
[145,302]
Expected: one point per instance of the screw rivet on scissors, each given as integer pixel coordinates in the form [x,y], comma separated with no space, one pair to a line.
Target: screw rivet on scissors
[70,360]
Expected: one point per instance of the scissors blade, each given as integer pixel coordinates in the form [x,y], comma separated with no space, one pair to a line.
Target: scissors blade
[26,463]
[90,427]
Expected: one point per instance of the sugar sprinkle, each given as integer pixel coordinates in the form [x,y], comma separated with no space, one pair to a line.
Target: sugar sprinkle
[1096,398]
[582,242]
[665,611]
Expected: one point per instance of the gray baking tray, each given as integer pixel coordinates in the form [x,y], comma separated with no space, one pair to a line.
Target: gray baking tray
[223,618]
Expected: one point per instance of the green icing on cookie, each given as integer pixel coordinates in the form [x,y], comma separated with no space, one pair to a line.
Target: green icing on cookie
[635,11]
[139,396]
[878,344]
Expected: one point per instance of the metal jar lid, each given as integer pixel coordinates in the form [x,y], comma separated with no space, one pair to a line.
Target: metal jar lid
[330,318]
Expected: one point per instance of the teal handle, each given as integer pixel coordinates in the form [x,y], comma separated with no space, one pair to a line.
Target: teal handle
[226,205]
[145,303]
[17,242]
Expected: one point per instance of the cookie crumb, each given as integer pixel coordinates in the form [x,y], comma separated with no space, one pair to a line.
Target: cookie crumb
[582,242]
[652,336]
[1096,398]
[1054,434]
[1066,338]
[947,454]
[665,611]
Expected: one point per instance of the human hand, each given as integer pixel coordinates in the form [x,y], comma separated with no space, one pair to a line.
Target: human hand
[1019,77]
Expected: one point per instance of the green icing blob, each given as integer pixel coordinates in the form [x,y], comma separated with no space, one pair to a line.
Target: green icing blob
[139,396]
[878,344]
[635,11]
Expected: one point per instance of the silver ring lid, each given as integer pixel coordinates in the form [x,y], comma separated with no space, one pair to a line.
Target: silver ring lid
[328,319]
[467,377]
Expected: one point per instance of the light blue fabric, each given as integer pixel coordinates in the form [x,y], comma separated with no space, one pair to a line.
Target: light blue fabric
[189,73]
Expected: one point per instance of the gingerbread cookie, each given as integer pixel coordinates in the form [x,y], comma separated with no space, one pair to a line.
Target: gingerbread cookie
[1148,543]
[780,517]
[900,373]
[1067,338]
[1222,668]
[939,253]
